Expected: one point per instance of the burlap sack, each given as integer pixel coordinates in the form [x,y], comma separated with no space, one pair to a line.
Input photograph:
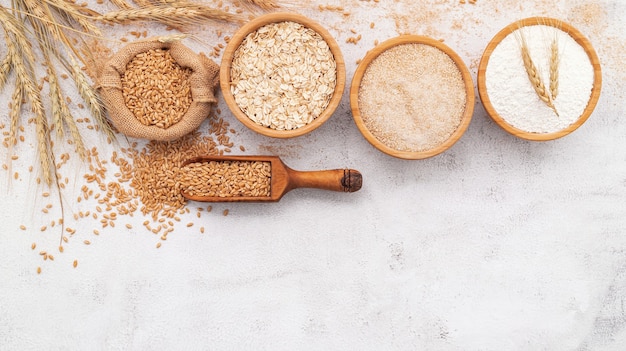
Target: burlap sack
[203,79]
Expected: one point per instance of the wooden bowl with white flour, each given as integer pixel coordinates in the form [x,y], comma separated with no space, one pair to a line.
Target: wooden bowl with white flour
[539,79]
[412,97]
[282,75]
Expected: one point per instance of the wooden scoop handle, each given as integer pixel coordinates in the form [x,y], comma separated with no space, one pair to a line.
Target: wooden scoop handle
[346,180]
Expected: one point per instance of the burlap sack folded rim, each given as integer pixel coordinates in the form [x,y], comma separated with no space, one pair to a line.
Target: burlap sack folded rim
[203,80]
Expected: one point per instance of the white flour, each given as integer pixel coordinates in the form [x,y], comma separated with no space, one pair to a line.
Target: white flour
[511,93]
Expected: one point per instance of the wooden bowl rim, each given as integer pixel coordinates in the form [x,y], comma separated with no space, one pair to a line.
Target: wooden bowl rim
[257,23]
[412,39]
[579,38]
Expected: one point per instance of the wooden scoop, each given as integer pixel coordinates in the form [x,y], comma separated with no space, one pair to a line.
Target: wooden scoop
[284,179]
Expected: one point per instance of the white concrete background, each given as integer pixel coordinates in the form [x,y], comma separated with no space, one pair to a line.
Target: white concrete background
[497,244]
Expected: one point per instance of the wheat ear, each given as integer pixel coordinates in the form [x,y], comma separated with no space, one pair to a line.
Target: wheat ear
[18,93]
[208,12]
[5,70]
[555,60]
[61,114]
[121,4]
[263,4]
[56,101]
[90,97]
[148,14]
[175,14]
[143,3]
[73,129]
[44,147]
[534,76]
[14,114]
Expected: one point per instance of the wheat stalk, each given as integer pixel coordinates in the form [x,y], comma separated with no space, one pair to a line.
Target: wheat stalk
[61,114]
[24,69]
[147,14]
[175,14]
[44,22]
[534,75]
[89,95]
[69,121]
[58,107]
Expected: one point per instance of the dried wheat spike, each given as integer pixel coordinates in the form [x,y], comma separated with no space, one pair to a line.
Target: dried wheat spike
[535,77]
[555,60]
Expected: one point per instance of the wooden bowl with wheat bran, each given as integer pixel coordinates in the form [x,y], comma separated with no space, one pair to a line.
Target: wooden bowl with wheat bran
[412,97]
[282,75]
[539,79]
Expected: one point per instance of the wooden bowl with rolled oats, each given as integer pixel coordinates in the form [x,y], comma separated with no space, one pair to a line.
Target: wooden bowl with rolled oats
[282,75]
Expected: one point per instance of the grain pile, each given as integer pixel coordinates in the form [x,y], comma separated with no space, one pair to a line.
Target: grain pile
[153,174]
[156,88]
[136,182]
[283,75]
[227,178]
[412,97]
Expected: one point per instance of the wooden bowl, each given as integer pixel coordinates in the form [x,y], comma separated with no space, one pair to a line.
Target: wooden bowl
[579,38]
[356,83]
[252,26]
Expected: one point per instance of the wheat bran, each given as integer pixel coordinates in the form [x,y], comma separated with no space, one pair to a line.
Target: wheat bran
[412,97]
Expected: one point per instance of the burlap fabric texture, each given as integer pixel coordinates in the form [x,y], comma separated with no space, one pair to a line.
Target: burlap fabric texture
[204,80]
